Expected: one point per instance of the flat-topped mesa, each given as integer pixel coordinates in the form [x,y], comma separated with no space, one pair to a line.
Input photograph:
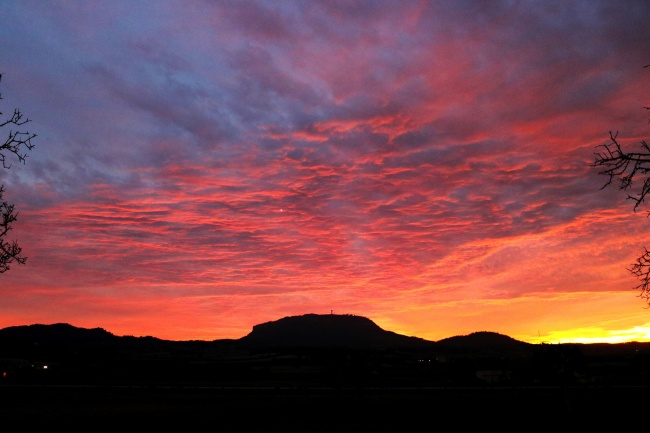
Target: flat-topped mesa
[328,330]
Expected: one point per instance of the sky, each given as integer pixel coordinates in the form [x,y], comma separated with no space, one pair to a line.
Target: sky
[201,167]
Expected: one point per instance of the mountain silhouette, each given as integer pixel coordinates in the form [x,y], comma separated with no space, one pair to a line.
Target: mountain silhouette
[62,332]
[310,350]
[304,331]
[328,330]
[315,334]
[484,343]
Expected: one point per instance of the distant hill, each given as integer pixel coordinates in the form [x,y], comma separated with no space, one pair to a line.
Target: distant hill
[61,332]
[484,343]
[481,339]
[309,350]
[65,342]
[329,330]
[308,330]
[305,331]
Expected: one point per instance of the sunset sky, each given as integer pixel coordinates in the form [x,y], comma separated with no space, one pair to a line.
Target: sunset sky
[205,166]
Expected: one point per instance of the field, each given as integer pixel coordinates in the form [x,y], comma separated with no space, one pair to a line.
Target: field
[318,410]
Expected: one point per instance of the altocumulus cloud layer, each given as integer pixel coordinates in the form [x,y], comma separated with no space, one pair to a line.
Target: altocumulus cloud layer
[202,166]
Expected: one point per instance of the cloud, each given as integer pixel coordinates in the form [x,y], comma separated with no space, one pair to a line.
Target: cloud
[370,153]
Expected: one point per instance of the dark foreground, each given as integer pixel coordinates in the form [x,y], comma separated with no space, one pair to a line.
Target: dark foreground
[320,410]
[60,377]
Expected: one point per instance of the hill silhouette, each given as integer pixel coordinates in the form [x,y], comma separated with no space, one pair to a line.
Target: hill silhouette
[63,332]
[329,330]
[310,349]
[305,331]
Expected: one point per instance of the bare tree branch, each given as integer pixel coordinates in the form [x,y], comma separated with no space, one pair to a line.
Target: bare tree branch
[625,167]
[9,251]
[641,269]
[630,170]
[17,143]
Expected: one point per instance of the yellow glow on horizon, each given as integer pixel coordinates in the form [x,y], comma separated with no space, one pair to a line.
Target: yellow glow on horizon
[599,335]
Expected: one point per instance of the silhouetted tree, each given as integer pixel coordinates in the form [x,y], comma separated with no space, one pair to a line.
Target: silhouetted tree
[629,169]
[16,146]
